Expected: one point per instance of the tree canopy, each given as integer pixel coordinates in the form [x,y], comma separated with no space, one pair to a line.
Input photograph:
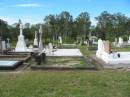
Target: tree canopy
[109,26]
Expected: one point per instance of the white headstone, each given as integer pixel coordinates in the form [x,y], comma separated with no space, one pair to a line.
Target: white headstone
[60,39]
[21,45]
[50,46]
[0,43]
[116,40]
[30,47]
[129,40]
[3,45]
[35,43]
[120,43]
[8,43]
[100,48]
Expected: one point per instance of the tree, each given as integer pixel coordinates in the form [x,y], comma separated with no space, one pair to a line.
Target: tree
[66,21]
[83,24]
[4,30]
[110,26]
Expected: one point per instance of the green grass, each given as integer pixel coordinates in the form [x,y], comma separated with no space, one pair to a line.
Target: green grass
[88,53]
[75,62]
[122,49]
[65,84]
[85,51]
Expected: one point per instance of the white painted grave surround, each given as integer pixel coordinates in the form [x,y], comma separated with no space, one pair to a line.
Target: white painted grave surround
[65,52]
[21,45]
[113,57]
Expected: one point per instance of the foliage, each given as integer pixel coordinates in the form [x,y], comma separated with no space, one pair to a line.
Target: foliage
[4,30]
[109,26]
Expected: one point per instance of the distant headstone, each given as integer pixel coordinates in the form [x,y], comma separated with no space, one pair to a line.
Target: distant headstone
[8,43]
[116,40]
[0,43]
[120,43]
[30,47]
[3,45]
[50,46]
[129,40]
[26,41]
[60,39]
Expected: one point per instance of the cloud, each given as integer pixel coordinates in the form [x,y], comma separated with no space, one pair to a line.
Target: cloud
[7,19]
[28,5]
[26,19]
[94,22]
[128,14]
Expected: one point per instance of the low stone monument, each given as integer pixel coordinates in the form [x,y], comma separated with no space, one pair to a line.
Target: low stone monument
[21,45]
[107,47]
[104,48]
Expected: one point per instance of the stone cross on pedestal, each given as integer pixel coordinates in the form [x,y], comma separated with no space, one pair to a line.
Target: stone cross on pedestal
[40,40]
[21,29]
[35,43]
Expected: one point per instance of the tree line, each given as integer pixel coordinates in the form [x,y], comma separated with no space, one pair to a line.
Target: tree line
[109,26]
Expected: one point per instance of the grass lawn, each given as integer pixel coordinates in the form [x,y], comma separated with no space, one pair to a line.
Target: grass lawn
[65,84]
[125,49]
[62,62]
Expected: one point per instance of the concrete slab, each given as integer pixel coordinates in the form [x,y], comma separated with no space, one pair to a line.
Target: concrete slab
[64,52]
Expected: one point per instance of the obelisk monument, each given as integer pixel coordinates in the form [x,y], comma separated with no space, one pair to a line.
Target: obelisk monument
[21,45]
